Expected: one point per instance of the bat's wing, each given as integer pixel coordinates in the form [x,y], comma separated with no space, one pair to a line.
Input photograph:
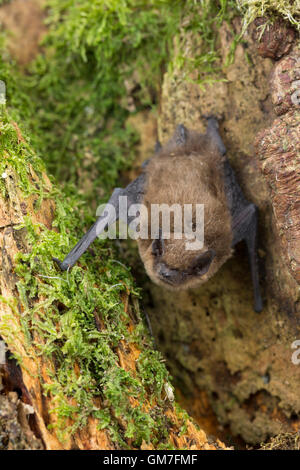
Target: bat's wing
[133,192]
[244,226]
[243,212]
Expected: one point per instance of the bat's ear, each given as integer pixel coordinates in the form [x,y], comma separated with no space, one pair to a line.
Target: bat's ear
[201,263]
[180,135]
[158,245]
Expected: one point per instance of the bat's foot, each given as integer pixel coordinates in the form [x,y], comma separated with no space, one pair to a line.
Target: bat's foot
[61,264]
[181,134]
[213,132]
[212,120]
[145,163]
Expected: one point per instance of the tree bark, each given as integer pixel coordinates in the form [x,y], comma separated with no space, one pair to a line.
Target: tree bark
[27,415]
[225,358]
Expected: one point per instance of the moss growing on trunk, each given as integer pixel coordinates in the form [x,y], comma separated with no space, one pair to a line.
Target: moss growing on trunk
[62,326]
[101,62]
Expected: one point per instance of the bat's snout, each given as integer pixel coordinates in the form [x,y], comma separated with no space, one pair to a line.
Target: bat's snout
[173,277]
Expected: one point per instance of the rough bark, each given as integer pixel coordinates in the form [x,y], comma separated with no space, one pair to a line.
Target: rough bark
[27,415]
[225,357]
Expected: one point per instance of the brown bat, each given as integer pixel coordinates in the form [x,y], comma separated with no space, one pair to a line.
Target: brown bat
[190,169]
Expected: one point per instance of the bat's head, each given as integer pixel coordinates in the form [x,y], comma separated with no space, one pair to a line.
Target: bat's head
[186,172]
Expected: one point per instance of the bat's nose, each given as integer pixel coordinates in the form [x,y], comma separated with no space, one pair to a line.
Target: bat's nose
[164,271]
[166,274]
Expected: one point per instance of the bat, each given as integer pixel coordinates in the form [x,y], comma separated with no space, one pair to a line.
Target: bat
[190,169]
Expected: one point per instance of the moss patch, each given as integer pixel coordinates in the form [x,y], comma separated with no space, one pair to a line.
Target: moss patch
[62,326]
[286,441]
[271,9]
[103,61]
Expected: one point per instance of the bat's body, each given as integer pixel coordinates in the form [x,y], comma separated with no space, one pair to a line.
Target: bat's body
[190,169]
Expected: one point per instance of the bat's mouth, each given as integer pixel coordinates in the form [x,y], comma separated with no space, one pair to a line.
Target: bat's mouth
[198,268]
[170,282]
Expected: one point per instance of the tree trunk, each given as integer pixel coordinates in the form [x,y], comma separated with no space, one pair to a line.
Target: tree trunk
[224,357]
[29,411]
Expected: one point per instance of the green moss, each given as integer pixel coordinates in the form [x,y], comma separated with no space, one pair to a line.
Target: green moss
[271,9]
[62,327]
[152,370]
[98,57]
[200,57]
[73,107]
[67,113]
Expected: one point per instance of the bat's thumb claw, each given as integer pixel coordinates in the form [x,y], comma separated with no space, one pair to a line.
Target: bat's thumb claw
[63,266]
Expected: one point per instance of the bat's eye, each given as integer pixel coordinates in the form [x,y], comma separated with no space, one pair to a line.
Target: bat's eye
[158,245]
[201,263]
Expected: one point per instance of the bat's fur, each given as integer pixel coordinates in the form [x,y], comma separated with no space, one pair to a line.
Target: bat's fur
[189,172]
